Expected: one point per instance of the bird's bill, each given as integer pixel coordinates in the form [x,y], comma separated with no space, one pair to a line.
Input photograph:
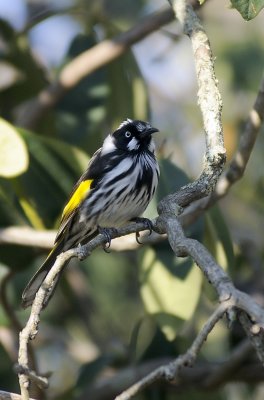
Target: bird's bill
[149,131]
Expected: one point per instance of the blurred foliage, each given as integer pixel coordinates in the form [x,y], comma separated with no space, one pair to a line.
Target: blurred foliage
[14,155]
[118,310]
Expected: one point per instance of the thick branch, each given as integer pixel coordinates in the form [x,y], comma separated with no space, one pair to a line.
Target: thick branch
[210,103]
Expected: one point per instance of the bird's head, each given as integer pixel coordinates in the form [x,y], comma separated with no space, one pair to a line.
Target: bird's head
[132,136]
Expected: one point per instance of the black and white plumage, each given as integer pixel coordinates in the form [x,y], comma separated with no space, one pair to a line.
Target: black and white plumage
[120,180]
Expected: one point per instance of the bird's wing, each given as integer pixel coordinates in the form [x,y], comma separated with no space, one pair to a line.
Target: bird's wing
[80,191]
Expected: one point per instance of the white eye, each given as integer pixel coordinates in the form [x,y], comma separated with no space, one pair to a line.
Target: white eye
[127,134]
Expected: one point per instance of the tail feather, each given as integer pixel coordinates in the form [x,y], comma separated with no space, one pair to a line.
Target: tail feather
[34,284]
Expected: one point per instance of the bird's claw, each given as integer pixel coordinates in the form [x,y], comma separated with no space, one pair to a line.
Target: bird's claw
[147,225]
[106,232]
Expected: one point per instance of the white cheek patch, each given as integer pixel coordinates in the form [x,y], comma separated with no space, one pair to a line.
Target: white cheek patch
[133,144]
[108,145]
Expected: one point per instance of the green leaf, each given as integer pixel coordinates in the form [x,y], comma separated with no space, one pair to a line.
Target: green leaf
[13,151]
[170,288]
[249,9]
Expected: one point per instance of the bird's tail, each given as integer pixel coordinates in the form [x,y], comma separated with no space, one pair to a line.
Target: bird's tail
[34,284]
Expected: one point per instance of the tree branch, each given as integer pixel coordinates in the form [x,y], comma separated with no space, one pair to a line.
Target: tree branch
[210,102]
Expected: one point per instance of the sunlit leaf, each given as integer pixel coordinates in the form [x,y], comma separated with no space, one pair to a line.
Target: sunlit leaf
[13,151]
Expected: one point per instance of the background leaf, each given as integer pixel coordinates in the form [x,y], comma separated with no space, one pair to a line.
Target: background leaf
[170,288]
[13,151]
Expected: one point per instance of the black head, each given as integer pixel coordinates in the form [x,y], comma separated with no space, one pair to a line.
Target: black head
[134,136]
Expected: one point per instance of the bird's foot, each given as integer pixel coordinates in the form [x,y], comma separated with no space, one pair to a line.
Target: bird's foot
[147,225]
[107,233]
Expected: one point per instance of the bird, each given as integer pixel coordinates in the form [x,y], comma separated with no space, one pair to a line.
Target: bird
[116,188]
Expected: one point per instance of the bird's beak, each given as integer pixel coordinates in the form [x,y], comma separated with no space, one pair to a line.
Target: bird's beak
[149,131]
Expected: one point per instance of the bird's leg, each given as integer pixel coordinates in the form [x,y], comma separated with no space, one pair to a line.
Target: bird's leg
[106,232]
[147,225]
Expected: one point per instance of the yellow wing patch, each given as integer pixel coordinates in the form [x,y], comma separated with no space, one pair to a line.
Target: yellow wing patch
[77,197]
